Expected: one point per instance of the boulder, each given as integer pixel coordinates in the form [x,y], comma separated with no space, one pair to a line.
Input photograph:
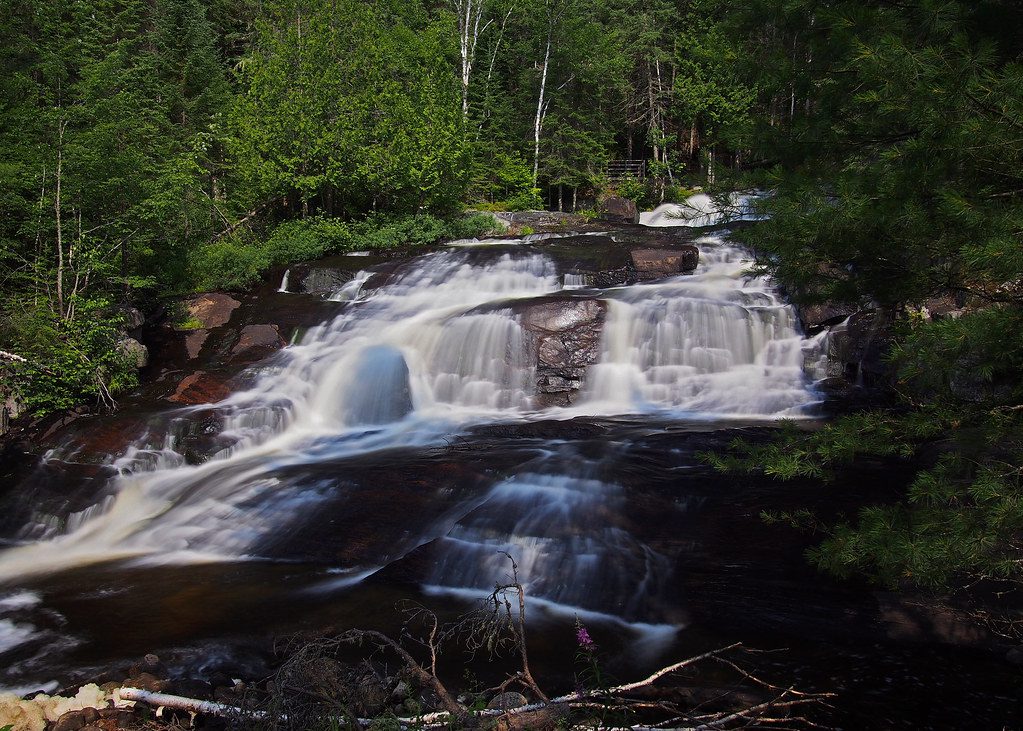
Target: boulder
[321,280]
[194,341]
[212,309]
[70,721]
[824,314]
[133,318]
[619,210]
[200,388]
[256,342]
[134,351]
[857,347]
[657,263]
[567,335]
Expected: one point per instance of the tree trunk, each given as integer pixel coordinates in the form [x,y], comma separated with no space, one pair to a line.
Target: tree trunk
[56,209]
[540,103]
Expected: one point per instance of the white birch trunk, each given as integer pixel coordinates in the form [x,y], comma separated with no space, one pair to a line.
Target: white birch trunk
[470,15]
[541,107]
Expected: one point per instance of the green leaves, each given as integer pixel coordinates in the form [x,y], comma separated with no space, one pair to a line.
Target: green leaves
[350,106]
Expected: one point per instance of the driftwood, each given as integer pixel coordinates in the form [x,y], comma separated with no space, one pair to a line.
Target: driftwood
[604,699]
[300,696]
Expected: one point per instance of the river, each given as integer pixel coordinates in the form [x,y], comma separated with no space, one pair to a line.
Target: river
[435,421]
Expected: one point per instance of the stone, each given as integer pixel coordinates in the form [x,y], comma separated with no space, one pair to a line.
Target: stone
[148,681]
[323,281]
[657,263]
[200,388]
[134,351]
[133,318]
[194,341]
[815,317]
[507,701]
[619,210]
[857,348]
[150,663]
[1015,656]
[256,342]
[567,335]
[70,721]
[212,309]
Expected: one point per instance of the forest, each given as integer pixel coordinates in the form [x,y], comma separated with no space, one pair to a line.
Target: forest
[154,148]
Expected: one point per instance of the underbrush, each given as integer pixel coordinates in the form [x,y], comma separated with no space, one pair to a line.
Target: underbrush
[238,261]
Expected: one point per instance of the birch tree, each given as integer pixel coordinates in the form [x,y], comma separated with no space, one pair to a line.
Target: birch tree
[470,17]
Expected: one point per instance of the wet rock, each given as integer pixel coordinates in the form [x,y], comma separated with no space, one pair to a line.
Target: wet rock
[538,220]
[321,280]
[116,718]
[91,715]
[150,663]
[256,342]
[1015,656]
[657,263]
[615,277]
[70,721]
[857,348]
[507,701]
[619,210]
[148,681]
[134,351]
[212,309]
[567,336]
[200,388]
[194,341]
[825,314]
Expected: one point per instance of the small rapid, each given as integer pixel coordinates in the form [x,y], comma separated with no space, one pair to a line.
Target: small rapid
[418,355]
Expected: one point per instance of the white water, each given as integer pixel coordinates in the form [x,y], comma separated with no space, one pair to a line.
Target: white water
[413,362]
[702,210]
[284,281]
[716,343]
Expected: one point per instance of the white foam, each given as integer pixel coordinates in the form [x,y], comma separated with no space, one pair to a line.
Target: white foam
[703,210]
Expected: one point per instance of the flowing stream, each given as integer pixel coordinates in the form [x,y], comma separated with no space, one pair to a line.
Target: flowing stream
[409,444]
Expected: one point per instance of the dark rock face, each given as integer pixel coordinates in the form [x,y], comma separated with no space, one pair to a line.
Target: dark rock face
[200,388]
[815,317]
[256,342]
[212,309]
[619,210]
[657,263]
[857,347]
[323,281]
[567,335]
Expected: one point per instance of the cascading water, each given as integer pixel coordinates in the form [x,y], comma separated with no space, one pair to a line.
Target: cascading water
[716,343]
[441,347]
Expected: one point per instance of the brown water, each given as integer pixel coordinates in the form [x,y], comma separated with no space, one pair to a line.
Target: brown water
[399,451]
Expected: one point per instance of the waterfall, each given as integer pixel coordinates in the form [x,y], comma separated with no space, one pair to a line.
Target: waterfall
[284,281]
[714,343]
[702,210]
[436,347]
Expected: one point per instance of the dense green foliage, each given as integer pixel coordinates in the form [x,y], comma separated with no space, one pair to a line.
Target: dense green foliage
[889,136]
[157,147]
